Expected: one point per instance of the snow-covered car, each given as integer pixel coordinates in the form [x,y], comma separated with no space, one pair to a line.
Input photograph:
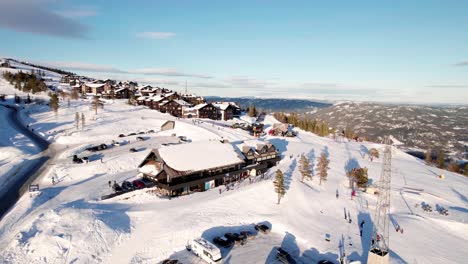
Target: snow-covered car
[150,131]
[116,143]
[222,241]
[183,138]
[122,135]
[262,228]
[133,150]
[170,261]
[140,138]
[132,134]
[236,238]
[141,133]
[247,234]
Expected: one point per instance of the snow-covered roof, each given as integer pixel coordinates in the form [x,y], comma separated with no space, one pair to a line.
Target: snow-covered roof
[199,106]
[182,102]
[150,168]
[95,85]
[222,106]
[201,155]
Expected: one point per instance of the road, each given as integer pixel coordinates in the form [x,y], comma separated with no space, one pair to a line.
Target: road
[13,190]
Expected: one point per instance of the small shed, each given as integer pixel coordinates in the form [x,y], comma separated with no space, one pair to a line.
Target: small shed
[168,125]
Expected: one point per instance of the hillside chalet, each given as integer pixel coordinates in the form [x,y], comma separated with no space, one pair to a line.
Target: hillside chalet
[207,111]
[174,107]
[199,166]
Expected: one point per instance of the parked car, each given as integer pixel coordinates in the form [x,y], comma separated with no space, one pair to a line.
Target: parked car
[283,256]
[141,132]
[122,135]
[132,134]
[262,228]
[247,234]
[77,160]
[223,241]
[117,187]
[133,150]
[236,238]
[235,125]
[126,185]
[150,131]
[137,184]
[183,138]
[324,261]
[115,143]
[140,138]
[148,183]
[170,261]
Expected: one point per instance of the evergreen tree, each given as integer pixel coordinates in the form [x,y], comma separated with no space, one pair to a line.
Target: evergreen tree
[96,104]
[77,120]
[428,156]
[54,102]
[322,165]
[304,168]
[279,185]
[252,111]
[441,159]
[83,121]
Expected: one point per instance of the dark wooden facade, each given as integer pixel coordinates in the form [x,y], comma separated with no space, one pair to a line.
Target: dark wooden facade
[208,111]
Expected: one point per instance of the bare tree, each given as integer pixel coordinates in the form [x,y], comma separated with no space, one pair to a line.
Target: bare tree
[83,121]
[96,104]
[77,120]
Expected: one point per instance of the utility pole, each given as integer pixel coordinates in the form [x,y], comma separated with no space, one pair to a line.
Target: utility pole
[380,244]
[186,87]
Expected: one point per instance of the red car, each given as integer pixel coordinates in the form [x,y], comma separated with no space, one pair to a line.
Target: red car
[138,184]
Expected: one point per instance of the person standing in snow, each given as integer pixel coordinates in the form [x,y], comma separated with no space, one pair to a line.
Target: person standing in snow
[337,194]
[53,180]
[110,184]
[101,160]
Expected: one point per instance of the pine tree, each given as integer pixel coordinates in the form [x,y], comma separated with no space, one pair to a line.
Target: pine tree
[428,156]
[441,159]
[305,170]
[96,103]
[83,121]
[54,102]
[322,165]
[279,185]
[77,120]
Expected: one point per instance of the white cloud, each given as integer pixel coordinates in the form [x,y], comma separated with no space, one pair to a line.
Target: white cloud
[156,35]
[167,72]
[77,12]
[81,66]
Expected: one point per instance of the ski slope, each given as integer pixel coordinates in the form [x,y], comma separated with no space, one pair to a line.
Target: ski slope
[68,223]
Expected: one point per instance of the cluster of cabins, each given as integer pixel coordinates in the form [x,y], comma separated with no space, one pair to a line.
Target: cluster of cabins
[160,99]
[199,166]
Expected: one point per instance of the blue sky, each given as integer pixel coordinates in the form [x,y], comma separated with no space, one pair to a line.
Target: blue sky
[390,51]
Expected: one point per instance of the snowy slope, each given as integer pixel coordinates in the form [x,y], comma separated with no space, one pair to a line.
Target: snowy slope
[68,223]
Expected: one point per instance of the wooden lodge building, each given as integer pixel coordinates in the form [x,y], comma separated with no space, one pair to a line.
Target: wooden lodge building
[199,166]
[174,107]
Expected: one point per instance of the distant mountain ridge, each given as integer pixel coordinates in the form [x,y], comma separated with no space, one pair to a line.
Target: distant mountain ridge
[274,104]
[415,126]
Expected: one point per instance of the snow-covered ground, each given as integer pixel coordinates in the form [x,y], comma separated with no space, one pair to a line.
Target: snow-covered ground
[68,223]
